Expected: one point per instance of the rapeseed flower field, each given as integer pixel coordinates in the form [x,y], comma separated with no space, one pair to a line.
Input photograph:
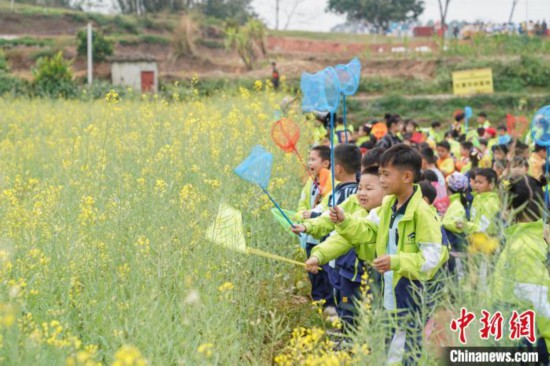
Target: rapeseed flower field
[103,256]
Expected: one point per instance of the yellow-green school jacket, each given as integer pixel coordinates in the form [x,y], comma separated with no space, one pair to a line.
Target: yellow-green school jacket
[484,214]
[521,278]
[336,246]
[322,226]
[455,213]
[419,254]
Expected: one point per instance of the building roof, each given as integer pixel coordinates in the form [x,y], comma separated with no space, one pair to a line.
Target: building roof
[128,58]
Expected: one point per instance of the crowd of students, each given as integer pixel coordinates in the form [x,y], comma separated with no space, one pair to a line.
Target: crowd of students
[414,205]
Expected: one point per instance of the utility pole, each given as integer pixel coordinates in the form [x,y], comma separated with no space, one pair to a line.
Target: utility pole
[90,58]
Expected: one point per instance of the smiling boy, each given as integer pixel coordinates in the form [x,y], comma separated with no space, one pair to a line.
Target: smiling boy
[408,243]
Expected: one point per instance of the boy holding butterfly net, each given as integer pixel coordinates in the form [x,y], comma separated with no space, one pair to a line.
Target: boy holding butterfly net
[368,197]
[408,246]
[347,158]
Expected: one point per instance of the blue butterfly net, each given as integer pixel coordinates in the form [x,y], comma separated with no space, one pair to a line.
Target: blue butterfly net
[321,91]
[540,126]
[256,168]
[468,113]
[348,76]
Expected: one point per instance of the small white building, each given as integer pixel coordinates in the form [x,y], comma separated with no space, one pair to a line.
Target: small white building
[139,72]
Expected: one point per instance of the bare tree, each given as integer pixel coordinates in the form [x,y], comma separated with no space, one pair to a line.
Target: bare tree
[287,7]
[290,14]
[514,3]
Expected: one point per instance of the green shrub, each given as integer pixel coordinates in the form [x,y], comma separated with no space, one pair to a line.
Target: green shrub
[101,46]
[3,62]
[53,77]
[46,52]
[10,84]
[25,41]
[153,39]
[126,24]
[100,88]
[209,43]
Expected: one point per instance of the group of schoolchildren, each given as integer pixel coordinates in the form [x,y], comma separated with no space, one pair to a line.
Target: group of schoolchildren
[414,206]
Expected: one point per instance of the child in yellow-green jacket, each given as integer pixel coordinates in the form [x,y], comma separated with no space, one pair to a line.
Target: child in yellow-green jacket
[483,227]
[351,268]
[521,281]
[486,205]
[458,211]
[347,161]
[310,206]
[317,188]
[407,243]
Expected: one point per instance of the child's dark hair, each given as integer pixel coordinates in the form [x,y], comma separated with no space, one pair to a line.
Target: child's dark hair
[367,128]
[502,128]
[392,120]
[481,131]
[371,170]
[423,145]
[444,144]
[428,191]
[412,122]
[404,157]
[526,195]
[323,151]
[348,156]
[501,148]
[475,157]
[538,148]
[389,116]
[483,142]
[430,176]
[467,145]
[372,158]
[369,145]
[324,118]
[436,124]
[429,155]
[482,114]
[521,148]
[448,134]
[488,173]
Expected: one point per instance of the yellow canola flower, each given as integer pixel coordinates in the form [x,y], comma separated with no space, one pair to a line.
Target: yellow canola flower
[7,315]
[206,349]
[227,286]
[129,356]
[82,358]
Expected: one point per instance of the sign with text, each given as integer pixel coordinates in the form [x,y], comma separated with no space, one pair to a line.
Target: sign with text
[478,81]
